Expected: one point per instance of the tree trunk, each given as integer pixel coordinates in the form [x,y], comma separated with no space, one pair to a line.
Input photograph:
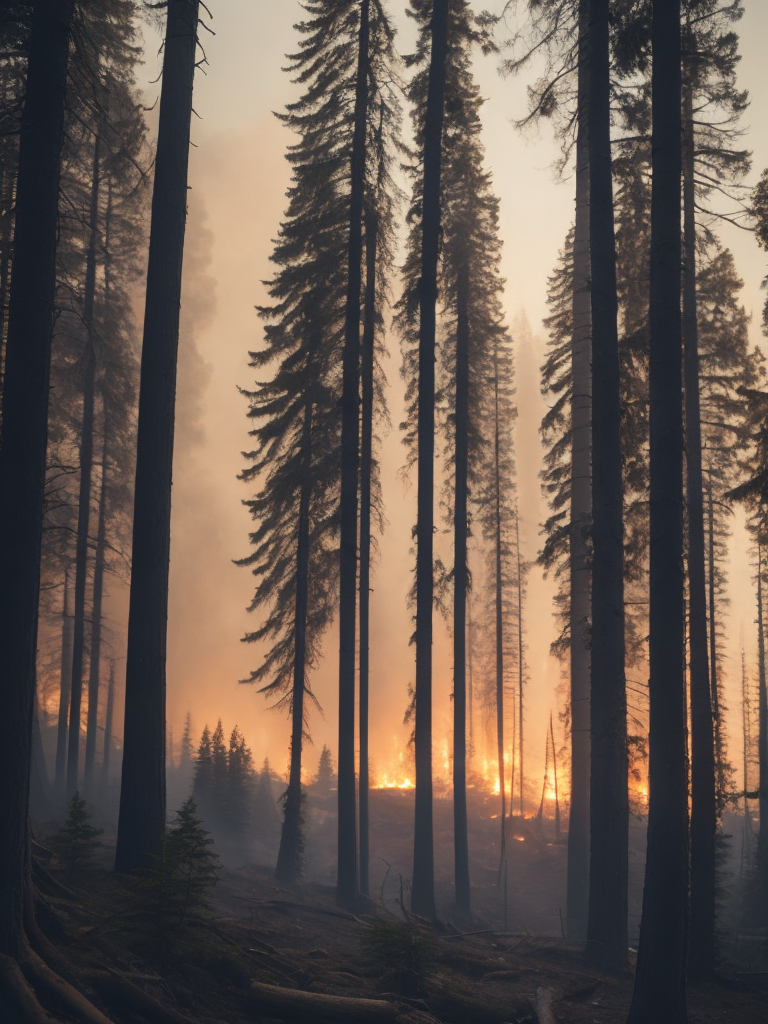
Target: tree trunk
[347,881]
[520,667]
[701,949]
[499,585]
[366,469]
[108,727]
[96,623]
[142,796]
[460,582]
[423,885]
[762,747]
[659,991]
[6,256]
[23,453]
[609,800]
[289,857]
[713,673]
[577,899]
[65,687]
[84,497]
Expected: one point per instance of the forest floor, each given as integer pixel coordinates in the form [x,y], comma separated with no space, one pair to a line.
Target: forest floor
[461,972]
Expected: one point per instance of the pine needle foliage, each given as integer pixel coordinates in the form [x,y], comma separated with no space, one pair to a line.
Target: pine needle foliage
[402,955]
[76,844]
[170,904]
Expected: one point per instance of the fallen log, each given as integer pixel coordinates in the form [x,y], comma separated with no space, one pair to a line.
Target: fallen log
[315,1008]
[544,999]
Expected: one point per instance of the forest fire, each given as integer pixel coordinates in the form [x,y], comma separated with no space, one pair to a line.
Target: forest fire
[387,782]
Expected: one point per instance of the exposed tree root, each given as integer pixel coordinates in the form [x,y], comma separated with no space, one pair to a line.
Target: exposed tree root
[19,994]
[59,992]
[115,988]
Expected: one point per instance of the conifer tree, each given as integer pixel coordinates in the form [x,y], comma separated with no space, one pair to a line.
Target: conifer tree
[295,459]
[77,842]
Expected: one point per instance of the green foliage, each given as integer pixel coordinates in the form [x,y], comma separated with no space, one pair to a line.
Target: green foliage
[326,776]
[402,955]
[77,843]
[171,901]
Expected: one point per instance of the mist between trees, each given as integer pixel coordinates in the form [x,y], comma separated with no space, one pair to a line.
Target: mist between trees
[389,252]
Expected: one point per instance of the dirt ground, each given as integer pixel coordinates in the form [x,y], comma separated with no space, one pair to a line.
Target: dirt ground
[483,971]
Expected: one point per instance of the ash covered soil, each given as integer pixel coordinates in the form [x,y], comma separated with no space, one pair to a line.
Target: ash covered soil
[484,971]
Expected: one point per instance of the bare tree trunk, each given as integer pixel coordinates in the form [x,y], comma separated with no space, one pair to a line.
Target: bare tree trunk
[520,662]
[460,586]
[581,517]
[290,854]
[347,880]
[65,687]
[366,470]
[701,949]
[23,452]
[713,672]
[609,799]
[423,886]
[108,727]
[94,675]
[84,497]
[659,990]
[142,797]
[499,608]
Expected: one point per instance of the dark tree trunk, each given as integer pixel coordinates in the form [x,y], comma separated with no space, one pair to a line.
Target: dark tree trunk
[701,949]
[659,991]
[290,854]
[108,727]
[366,469]
[23,453]
[460,582]
[520,669]
[84,497]
[762,746]
[94,671]
[713,673]
[581,516]
[347,881]
[142,796]
[65,687]
[499,608]
[609,800]
[423,891]
[6,256]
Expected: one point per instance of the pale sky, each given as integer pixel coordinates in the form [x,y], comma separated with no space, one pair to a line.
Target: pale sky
[238,175]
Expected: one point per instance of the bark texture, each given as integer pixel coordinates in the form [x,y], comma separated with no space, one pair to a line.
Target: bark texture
[609,801]
[23,453]
[659,991]
[142,795]
[423,890]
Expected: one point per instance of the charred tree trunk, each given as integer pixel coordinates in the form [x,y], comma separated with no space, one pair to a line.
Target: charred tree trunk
[581,517]
[65,687]
[23,453]
[84,496]
[423,890]
[142,796]
[6,256]
[366,470]
[659,991]
[108,727]
[347,880]
[460,587]
[701,949]
[290,854]
[609,799]
[94,671]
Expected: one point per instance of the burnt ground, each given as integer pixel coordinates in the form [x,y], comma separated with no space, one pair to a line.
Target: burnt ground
[483,971]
